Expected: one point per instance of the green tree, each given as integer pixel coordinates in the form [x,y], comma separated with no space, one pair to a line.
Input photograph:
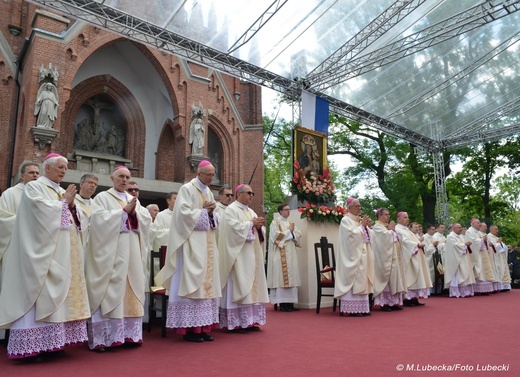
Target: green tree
[473,185]
[404,177]
[277,162]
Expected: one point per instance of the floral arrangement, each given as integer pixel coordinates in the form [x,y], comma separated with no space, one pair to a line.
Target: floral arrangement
[318,192]
[315,189]
[322,214]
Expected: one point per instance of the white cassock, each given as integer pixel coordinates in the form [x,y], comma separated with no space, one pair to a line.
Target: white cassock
[44,298]
[429,250]
[480,261]
[458,270]
[221,209]
[440,247]
[9,202]
[242,274]
[354,266]
[389,284]
[115,270]
[85,206]
[491,254]
[416,272]
[192,265]
[501,265]
[283,276]
[161,225]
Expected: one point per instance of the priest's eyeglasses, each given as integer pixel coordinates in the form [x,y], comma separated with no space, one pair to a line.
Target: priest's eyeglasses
[132,190]
[227,195]
[250,193]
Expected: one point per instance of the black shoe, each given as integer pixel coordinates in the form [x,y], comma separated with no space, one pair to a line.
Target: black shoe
[206,337]
[409,303]
[99,350]
[285,308]
[131,345]
[253,328]
[417,303]
[355,314]
[239,330]
[293,308]
[192,337]
[34,359]
[396,307]
[386,308]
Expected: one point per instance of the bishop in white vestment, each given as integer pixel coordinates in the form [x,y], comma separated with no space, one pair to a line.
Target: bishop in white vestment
[417,277]
[458,271]
[389,283]
[354,262]
[242,255]
[116,256]
[191,271]
[44,299]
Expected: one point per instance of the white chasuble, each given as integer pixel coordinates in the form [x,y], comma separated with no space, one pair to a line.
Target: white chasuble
[43,265]
[116,257]
[242,259]
[9,202]
[457,261]
[199,275]
[416,271]
[388,260]
[355,259]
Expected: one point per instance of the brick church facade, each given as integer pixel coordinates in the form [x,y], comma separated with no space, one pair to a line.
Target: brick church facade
[119,102]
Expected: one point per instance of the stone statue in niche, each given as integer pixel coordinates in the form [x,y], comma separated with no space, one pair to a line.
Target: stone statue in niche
[98,136]
[216,163]
[85,136]
[197,130]
[46,106]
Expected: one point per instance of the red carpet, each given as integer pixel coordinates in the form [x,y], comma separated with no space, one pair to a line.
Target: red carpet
[468,334]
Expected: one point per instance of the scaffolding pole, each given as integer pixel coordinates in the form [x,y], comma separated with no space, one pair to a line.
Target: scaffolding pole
[442,208]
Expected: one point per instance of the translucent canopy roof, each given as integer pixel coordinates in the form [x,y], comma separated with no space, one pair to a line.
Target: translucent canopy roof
[439,73]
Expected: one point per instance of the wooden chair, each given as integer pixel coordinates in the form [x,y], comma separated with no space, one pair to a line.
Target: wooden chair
[157,294]
[438,283]
[325,263]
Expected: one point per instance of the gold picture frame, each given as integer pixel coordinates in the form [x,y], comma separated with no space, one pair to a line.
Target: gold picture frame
[306,143]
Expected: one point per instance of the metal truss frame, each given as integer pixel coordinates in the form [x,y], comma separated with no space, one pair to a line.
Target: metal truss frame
[373,31]
[441,196]
[470,68]
[442,208]
[342,108]
[345,63]
[482,137]
[257,25]
[506,109]
[98,14]
[472,18]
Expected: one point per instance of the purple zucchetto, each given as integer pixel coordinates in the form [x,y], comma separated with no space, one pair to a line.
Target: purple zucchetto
[119,167]
[239,187]
[51,155]
[350,200]
[203,163]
